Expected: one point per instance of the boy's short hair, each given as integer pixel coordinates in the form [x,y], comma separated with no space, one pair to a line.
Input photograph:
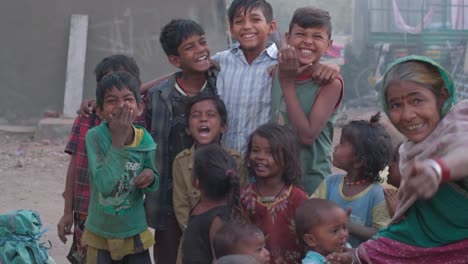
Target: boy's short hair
[177,31]
[117,62]
[247,5]
[230,234]
[119,80]
[220,106]
[311,17]
[311,214]
[237,259]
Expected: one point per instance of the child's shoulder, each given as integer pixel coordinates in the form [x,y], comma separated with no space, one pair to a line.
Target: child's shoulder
[298,193]
[186,153]
[100,129]
[335,177]
[233,153]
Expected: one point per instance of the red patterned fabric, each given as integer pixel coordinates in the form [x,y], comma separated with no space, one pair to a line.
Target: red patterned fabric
[276,220]
[384,250]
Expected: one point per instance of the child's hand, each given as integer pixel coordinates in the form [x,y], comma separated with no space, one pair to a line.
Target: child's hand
[324,73]
[288,64]
[341,258]
[145,179]
[86,107]
[391,199]
[120,125]
[64,227]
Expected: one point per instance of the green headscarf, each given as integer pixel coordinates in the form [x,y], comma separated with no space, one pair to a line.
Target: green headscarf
[447,79]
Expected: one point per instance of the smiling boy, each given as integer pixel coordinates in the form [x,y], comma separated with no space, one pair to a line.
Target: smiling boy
[121,169]
[244,83]
[299,101]
[186,48]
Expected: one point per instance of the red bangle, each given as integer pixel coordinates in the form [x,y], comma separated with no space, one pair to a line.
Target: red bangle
[445,170]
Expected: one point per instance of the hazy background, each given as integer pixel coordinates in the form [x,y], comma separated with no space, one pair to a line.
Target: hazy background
[368,34]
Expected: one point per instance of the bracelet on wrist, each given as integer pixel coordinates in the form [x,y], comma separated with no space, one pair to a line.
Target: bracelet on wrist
[445,171]
[436,167]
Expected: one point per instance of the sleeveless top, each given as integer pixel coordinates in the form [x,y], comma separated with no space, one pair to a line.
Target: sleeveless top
[196,247]
[315,158]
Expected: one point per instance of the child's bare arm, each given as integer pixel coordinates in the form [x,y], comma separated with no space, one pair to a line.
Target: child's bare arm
[329,95]
[66,222]
[88,105]
[309,128]
[342,258]
[325,73]
[147,85]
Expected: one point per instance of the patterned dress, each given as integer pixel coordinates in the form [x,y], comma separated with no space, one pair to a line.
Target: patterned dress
[276,219]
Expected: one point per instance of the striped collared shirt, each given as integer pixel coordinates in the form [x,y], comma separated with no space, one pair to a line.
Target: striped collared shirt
[246,90]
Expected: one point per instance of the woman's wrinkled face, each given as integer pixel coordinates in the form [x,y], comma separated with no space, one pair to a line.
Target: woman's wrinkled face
[413,109]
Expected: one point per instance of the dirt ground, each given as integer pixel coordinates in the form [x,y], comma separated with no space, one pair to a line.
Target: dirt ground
[32,176]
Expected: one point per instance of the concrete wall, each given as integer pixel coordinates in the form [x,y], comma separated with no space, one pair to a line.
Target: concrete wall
[34,45]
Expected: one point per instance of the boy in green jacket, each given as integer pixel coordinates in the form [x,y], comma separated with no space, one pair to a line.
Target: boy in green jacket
[121,169]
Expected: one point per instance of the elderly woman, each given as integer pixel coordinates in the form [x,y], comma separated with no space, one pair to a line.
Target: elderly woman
[431,221]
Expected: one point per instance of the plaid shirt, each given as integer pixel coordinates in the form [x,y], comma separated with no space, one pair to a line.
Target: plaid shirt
[158,119]
[76,146]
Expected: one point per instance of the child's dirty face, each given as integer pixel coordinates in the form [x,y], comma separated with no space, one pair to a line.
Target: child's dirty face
[251,29]
[205,123]
[343,154]
[261,159]
[117,102]
[194,54]
[331,235]
[310,43]
[254,246]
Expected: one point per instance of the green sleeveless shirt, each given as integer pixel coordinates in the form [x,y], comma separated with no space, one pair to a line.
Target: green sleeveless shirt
[315,158]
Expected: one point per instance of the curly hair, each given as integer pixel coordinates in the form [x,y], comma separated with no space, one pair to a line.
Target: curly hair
[284,148]
[371,143]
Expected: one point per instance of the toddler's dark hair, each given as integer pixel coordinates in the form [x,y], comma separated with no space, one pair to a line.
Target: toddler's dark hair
[117,62]
[175,32]
[216,172]
[371,143]
[220,106]
[119,80]
[246,6]
[310,214]
[284,148]
[311,17]
[231,233]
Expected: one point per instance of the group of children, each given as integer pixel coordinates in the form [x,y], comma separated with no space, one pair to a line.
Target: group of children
[212,202]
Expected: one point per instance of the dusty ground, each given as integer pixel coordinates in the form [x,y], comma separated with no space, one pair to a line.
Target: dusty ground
[32,176]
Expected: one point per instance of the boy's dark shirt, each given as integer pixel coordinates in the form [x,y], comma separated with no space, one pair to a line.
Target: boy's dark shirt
[165,126]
